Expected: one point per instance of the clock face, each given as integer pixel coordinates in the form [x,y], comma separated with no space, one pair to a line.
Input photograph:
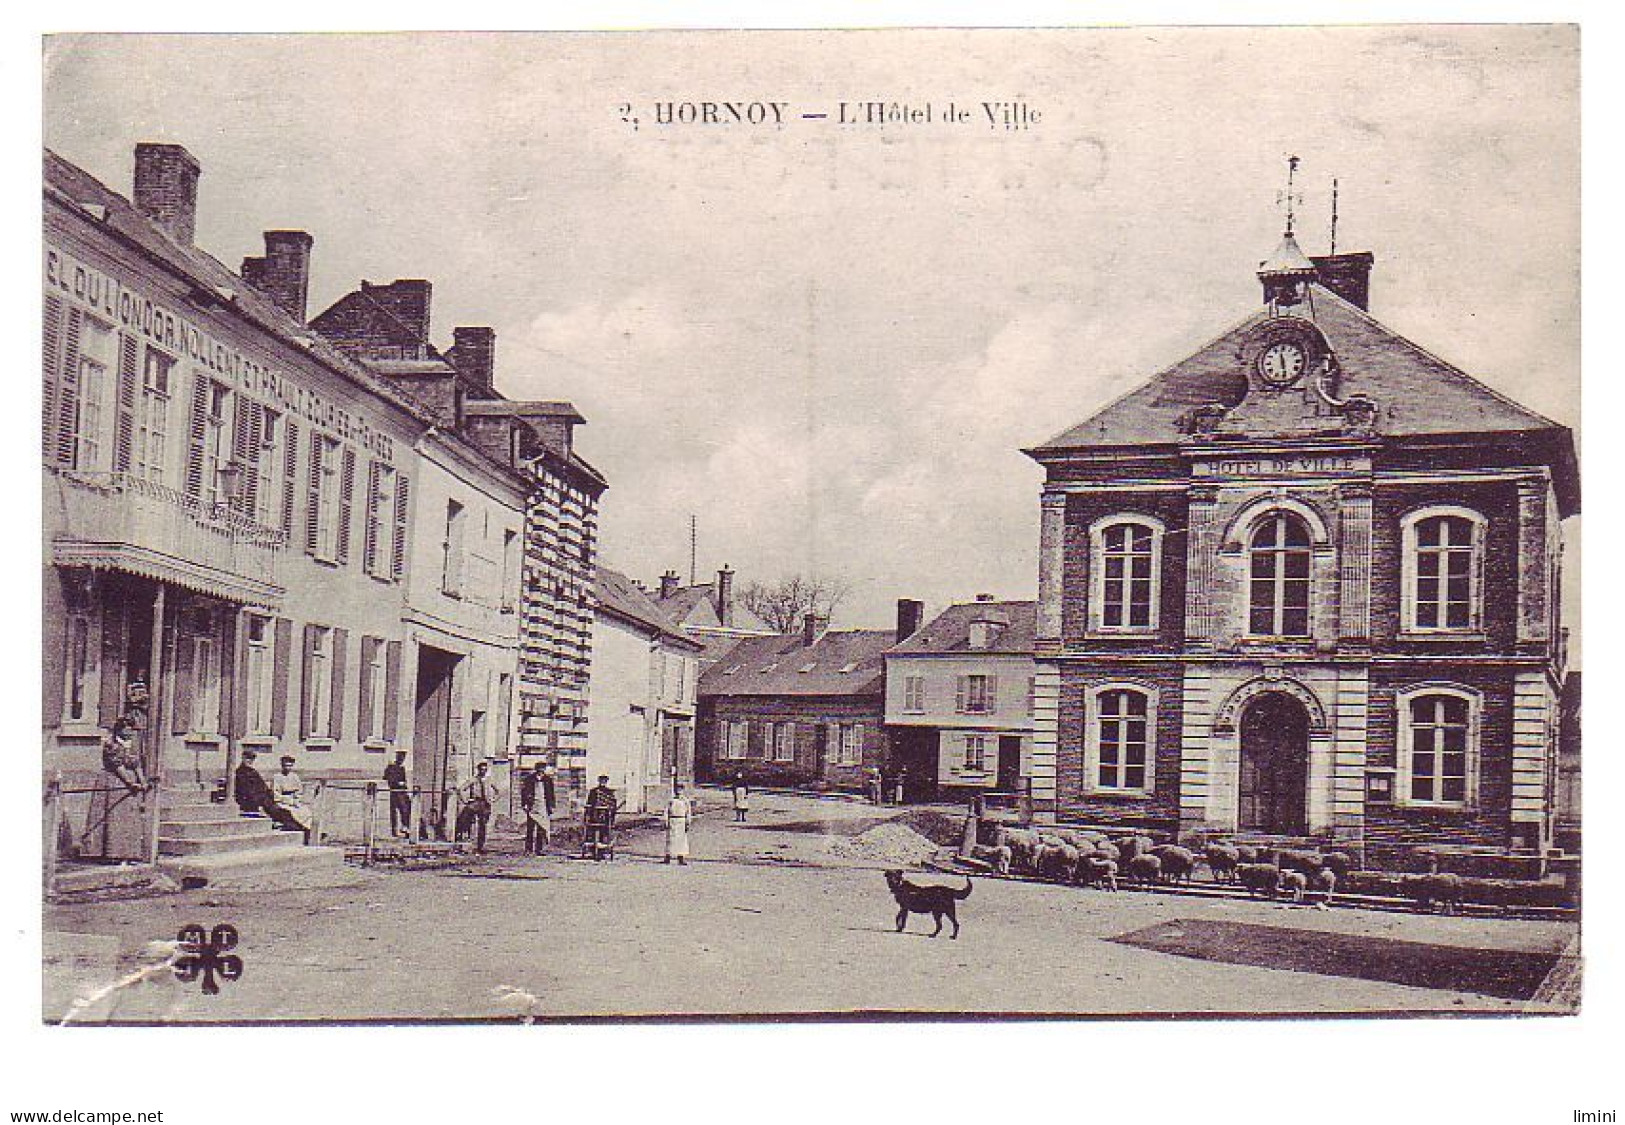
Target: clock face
[1282,363]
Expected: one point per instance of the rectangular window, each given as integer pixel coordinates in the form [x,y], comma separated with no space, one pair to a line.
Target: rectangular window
[216,439]
[451,576]
[152,417]
[735,746]
[1122,733]
[1439,729]
[373,686]
[914,693]
[93,426]
[1126,558]
[977,695]
[975,753]
[377,551]
[324,476]
[267,497]
[76,703]
[784,741]
[318,681]
[849,745]
[258,663]
[205,685]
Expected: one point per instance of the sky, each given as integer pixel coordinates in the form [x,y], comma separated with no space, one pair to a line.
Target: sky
[830,342]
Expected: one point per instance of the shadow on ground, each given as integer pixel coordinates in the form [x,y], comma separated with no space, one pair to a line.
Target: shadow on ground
[1504,973]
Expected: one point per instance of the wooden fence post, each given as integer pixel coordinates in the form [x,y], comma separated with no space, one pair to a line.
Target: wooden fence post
[53,829]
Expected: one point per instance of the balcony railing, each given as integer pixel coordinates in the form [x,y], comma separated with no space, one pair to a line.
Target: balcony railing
[126,521]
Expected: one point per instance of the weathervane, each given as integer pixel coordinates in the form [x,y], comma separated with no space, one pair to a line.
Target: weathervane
[1290,197]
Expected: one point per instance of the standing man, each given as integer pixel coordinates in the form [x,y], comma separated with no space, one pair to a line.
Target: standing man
[536,799]
[902,783]
[678,813]
[876,796]
[400,799]
[477,804]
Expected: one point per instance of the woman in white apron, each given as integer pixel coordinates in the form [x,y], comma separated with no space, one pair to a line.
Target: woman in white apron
[678,813]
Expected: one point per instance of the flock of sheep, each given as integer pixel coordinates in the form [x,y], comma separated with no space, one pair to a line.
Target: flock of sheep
[1092,859]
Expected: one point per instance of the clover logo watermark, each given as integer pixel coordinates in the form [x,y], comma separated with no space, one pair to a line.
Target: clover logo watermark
[208,954]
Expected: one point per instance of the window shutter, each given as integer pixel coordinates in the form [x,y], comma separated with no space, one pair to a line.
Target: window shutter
[55,314]
[392,689]
[245,450]
[129,379]
[961,684]
[67,394]
[346,503]
[180,719]
[369,544]
[281,660]
[112,660]
[403,506]
[313,492]
[335,722]
[363,730]
[194,449]
[992,694]
[251,457]
[307,684]
[290,475]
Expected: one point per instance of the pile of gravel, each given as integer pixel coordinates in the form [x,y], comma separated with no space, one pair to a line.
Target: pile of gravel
[891,843]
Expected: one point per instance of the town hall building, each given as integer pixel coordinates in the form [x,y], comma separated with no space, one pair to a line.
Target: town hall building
[1304,584]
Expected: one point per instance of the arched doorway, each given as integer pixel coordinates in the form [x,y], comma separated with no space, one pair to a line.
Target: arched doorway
[1274,766]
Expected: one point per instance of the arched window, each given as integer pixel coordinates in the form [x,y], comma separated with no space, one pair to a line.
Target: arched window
[1121,742]
[1438,746]
[1126,563]
[1279,557]
[1443,559]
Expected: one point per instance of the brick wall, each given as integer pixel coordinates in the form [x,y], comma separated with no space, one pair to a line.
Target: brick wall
[808,713]
[1170,509]
[1160,811]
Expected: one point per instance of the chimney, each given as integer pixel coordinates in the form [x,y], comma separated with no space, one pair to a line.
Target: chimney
[474,352]
[166,188]
[668,584]
[407,301]
[987,623]
[910,614]
[725,595]
[284,273]
[812,627]
[1347,275]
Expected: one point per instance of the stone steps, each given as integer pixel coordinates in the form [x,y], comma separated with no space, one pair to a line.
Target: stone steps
[205,828]
[257,867]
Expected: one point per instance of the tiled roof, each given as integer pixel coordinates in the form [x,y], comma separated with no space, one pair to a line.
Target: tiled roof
[1416,393]
[949,631]
[682,602]
[620,597]
[842,663]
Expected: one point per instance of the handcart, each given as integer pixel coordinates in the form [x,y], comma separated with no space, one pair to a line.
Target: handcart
[598,833]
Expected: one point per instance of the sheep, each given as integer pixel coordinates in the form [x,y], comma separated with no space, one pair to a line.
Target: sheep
[1022,842]
[1131,846]
[1246,853]
[1325,883]
[1306,863]
[1108,850]
[1259,878]
[1095,871]
[1294,883]
[1145,868]
[1339,863]
[1177,862]
[998,855]
[1221,862]
[1443,888]
[1056,861]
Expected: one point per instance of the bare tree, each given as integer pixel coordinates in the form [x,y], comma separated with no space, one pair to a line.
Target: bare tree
[783,604]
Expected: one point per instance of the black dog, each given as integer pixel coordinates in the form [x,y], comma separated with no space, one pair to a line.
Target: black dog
[935,901]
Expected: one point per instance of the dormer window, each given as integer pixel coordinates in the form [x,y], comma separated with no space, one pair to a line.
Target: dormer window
[1126,561]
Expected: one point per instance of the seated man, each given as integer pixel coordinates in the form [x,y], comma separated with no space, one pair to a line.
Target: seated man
[254,796]
[121,753]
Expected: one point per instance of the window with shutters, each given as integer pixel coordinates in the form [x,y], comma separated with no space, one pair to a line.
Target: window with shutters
[372,687]
[205,718]
[259,660]
[325,467]
[733,742]
[377,555]
[93,426]
[976,694]
[451,576]
[77,705]
[1120,739]
[1125,559]
[975,753]
[267,468]
[849,744]
[403,507]
[1279,559]
[151,460]
[318,682]
[1443,563]
[1438,746]
[216,438]
[914,693]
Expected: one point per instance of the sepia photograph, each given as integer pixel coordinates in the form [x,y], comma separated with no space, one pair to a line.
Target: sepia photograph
[722,526]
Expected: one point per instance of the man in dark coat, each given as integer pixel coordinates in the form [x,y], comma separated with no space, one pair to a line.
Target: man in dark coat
[600,816]
[400,798]
[254,796]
